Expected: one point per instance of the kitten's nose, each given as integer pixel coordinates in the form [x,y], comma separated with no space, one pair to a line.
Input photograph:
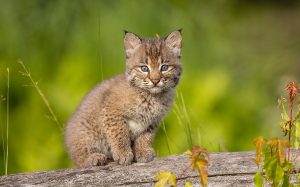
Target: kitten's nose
[155,81]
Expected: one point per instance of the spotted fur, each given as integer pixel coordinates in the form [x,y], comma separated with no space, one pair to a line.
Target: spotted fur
[118,118]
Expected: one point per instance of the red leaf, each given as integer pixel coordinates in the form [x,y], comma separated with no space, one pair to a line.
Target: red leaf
[199,159]
[293,89]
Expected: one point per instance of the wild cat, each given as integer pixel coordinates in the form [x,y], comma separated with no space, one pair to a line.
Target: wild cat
[118,118]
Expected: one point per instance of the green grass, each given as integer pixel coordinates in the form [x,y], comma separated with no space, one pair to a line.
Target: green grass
[183,118]
[167,137]
[7,125]
[27,74]
[180,112]
[99,49]
[2,99]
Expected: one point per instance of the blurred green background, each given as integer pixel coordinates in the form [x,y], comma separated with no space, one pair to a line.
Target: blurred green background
[237,57]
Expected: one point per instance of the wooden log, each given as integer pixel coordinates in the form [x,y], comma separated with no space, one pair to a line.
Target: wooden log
[225,169]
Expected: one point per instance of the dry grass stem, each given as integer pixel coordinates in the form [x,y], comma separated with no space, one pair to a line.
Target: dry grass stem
[26,73]
[7,121]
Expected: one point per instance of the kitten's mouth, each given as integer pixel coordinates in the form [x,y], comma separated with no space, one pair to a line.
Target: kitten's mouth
[155,89]
[158,85]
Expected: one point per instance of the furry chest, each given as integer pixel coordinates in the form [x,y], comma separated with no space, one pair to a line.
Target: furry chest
[143,117]
[136,128]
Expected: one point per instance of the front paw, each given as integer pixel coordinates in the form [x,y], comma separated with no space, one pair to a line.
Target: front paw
[95,159]
[144,156]
[123,157]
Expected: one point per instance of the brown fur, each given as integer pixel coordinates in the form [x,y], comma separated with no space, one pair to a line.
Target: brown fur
[118,118]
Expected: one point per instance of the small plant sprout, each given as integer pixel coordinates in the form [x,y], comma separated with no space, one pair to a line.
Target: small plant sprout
[199,159]
[274,166]
[293,90]
[164,178]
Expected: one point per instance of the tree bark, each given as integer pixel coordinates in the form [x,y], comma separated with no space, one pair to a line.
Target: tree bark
[225,169]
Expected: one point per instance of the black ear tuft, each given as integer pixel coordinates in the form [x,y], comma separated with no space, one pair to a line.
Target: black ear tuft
[128,32]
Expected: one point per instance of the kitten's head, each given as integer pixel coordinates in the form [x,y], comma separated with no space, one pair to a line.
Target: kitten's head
[153,64]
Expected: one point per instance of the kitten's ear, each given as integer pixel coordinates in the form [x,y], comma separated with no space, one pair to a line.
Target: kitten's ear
[131,42]
[173,41]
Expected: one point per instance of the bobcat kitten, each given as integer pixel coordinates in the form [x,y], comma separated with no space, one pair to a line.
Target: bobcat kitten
[118,118]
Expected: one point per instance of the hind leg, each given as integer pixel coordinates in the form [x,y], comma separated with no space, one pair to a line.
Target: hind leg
[83,146]
[83,155]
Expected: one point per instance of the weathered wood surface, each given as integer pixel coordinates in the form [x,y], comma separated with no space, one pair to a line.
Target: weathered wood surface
[225,169]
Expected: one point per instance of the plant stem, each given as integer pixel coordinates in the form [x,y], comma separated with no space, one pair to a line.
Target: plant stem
[188,123]
[99,48]
[167,138]
[7,121]
[46,102]
[290,126]
[2,132]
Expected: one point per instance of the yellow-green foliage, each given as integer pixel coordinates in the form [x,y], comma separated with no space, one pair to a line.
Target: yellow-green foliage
[164,178]
[276,168]
[199,159]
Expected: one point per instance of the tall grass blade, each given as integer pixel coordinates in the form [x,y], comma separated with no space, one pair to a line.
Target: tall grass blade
[7,122]
[2,131]
[183,118]
[99,48]
[199,137]
[26,73]
[165,131]
[188,122]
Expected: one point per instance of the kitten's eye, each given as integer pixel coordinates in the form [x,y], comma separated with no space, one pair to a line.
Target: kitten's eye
[144,68]
[164,68]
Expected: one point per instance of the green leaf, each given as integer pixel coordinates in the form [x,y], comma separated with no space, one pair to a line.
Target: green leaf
[287,166]
[297,134]
[188,184]
[270,168]
[258,180]
[275,173]
[297,125]
[165,178]
[297,116]
[286,181]
[279,176]
[284,127]
[188,152]
[284,114]
[266,156]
